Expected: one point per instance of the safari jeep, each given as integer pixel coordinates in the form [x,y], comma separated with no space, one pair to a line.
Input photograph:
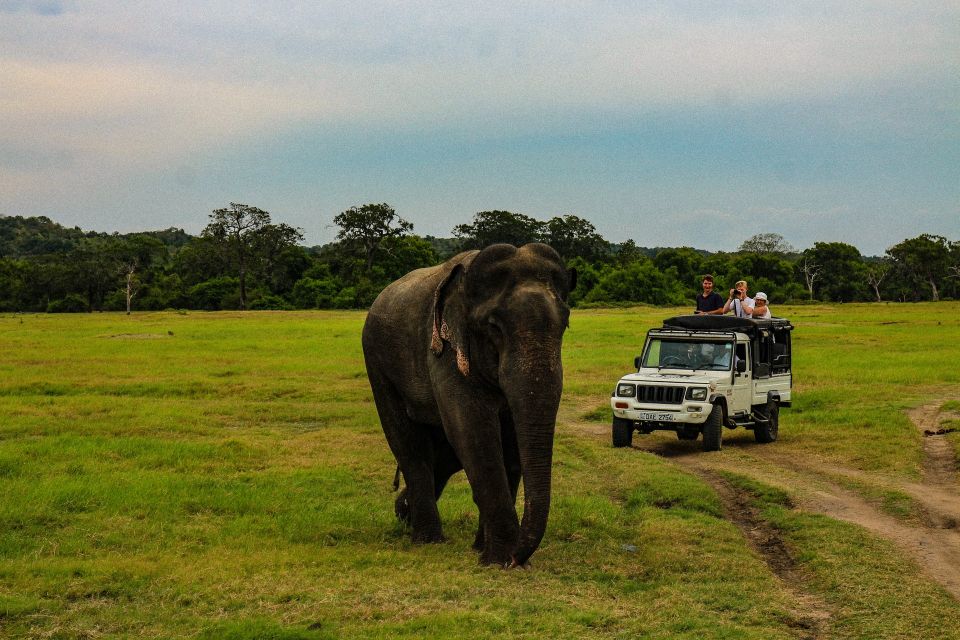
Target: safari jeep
[699,374]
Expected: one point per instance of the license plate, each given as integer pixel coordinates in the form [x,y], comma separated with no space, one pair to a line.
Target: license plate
[650,416]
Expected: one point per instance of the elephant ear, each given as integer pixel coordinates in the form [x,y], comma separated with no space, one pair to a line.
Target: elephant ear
[449,319]
[571,281]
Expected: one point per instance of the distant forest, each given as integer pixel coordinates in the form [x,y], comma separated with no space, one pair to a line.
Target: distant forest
[244,260]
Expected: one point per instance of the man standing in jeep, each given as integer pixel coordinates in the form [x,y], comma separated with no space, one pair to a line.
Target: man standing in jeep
[709,302]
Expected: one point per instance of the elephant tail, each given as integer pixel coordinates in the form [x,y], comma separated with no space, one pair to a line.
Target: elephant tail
[396,479]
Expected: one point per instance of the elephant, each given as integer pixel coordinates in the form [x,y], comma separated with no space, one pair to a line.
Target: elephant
[464,364]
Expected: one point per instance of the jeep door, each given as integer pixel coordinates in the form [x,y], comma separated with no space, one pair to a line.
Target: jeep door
[740,399]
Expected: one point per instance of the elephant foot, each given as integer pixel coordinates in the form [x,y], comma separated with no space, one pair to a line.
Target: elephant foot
[427,537]
[478,540]
[497,556]
[513,564]
[401,507]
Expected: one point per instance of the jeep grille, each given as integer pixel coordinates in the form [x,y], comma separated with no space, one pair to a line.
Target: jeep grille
[660,395]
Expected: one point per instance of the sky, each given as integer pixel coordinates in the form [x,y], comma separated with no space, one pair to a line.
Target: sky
[687,123]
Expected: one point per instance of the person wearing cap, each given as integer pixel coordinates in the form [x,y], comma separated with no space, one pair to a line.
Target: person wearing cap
[760,309]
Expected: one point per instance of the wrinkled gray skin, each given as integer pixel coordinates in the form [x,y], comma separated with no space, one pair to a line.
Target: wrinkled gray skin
[464,362]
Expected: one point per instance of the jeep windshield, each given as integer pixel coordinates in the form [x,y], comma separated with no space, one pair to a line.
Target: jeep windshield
[688,354]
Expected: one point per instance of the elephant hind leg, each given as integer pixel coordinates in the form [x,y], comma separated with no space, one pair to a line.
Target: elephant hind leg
[401,507]
[444,466]
[413,447]
[417,504]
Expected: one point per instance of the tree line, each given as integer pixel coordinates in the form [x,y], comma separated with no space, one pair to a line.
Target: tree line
[244,260]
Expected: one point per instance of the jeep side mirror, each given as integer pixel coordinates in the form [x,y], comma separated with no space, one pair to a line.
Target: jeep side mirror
[636,363]
[741,366]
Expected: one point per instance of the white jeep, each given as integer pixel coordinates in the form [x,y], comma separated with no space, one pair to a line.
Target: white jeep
[699,374]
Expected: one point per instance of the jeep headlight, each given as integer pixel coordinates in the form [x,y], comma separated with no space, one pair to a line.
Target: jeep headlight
[697,393]
[626,390]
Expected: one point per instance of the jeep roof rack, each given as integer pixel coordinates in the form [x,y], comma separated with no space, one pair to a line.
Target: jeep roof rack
[725,323]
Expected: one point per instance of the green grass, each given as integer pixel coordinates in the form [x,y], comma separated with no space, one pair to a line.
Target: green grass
[224,475]
[842,562]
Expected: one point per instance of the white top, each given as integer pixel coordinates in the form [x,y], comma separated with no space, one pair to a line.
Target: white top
[764,316]
[738,308]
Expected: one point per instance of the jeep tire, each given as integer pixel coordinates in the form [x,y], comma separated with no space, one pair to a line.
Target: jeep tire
[766,430]
[622,432]
[713,429]
[688,433]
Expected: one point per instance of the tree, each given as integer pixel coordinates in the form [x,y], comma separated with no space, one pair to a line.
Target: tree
[281,262]
[687,264]
[200,260]
[133,253]
[491,227]
[927,257]
[766,243]
[573,236]
[368,226]
[811,272]
[14,285]
[875,272]
[245,236]
[627,252]
[638,281]
[842,266]
[403,255]
[771,266]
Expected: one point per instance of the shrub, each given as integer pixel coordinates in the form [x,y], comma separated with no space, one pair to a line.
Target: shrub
[72,303]
[270,302]
[215,294]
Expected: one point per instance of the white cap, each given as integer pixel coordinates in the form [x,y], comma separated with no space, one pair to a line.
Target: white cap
[760,295]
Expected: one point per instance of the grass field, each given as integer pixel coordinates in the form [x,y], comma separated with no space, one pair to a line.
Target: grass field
[223,475]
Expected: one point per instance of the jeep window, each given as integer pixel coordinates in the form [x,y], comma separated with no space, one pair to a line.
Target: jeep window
[761,355]
[780,351]
[687,354]
[742,352]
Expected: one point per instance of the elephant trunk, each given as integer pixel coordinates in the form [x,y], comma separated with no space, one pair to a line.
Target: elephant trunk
[536,461]
[534,400]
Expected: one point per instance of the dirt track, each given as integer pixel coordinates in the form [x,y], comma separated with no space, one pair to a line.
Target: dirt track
[932,539]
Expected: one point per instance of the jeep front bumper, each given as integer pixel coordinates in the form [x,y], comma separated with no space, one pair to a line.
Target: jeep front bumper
[689,412]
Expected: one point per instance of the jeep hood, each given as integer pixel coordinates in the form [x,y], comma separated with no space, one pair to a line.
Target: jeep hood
[674,377]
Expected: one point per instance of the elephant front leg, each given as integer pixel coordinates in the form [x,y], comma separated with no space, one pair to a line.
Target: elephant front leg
[500,530]
[476,438]
[511,460]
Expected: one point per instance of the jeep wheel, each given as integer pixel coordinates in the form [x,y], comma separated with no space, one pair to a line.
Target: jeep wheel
[622,432]
[766,431]
[713,429]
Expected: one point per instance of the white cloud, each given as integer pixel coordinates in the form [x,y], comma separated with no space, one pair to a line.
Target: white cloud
[94,91]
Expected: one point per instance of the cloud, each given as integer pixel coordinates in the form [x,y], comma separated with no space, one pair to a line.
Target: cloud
[131,111]
[37,7]
[735,102]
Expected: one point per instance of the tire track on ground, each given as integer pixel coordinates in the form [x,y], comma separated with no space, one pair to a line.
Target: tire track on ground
[810,616]
[939,464]
[934,544]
